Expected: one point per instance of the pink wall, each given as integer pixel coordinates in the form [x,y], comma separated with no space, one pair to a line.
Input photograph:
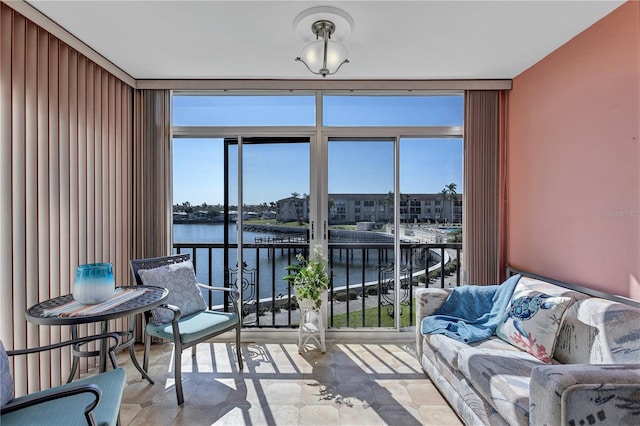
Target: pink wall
[573,159]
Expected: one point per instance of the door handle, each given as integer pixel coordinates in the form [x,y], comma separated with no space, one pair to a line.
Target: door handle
[312,233]
[325,230]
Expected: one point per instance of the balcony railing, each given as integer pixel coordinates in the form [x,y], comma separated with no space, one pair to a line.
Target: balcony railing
[362,292]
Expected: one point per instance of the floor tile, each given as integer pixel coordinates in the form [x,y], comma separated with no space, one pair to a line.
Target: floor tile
[350,384]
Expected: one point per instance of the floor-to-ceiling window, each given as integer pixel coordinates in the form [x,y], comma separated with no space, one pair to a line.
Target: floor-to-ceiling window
[374,179]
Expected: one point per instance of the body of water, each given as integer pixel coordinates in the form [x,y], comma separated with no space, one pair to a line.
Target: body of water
[269,268]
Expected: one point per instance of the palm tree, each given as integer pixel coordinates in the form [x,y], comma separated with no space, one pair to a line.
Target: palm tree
[331,204]
[404,199]
[389,200]
[449,193]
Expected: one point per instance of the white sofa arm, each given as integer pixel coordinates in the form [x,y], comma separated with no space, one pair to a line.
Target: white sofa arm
[428,301]
[577,394]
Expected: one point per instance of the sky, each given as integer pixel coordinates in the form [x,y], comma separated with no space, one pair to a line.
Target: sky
[276,170]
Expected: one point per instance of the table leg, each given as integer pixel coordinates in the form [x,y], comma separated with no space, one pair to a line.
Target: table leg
[132,352]
[104,347]
[76,359]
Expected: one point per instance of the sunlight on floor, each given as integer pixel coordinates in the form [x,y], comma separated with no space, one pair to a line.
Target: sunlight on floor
[350,384]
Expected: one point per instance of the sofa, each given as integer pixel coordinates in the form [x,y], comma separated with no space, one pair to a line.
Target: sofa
[590,375]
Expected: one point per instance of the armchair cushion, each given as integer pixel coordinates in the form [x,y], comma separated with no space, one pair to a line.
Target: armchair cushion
[71,408]
[6,381]
[180,279]
[196,326]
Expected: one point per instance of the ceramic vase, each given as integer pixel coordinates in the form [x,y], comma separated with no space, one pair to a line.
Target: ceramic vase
[94,283]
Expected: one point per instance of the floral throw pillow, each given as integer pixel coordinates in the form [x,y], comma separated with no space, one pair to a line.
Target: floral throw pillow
[6,382]
[180,280]
[532,322]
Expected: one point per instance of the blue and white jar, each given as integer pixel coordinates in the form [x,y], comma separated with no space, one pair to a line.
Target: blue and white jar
[94,283]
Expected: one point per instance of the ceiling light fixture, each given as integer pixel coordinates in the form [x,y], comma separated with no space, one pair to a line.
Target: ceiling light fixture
[323,54]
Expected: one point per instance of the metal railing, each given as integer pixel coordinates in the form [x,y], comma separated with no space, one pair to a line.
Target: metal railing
[362,291]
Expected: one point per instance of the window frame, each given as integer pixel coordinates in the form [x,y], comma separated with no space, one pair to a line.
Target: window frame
[320,135]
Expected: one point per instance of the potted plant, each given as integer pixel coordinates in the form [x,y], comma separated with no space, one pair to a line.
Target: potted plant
[309,278]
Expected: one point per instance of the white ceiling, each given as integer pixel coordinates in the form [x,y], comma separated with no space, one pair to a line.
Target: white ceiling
[389,40]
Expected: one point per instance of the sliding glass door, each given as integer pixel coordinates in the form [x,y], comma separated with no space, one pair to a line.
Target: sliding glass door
[268,182]
[360,231]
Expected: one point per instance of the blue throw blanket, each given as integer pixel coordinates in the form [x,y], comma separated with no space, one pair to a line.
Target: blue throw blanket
[471,313]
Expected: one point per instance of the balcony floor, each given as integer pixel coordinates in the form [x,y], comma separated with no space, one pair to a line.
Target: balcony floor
[350,384]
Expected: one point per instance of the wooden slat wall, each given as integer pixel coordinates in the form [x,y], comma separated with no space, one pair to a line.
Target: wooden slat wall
[481,187]
[66,144]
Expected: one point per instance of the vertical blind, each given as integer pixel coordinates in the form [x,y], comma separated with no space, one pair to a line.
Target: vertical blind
[152,174]
[481,187]
[66,140]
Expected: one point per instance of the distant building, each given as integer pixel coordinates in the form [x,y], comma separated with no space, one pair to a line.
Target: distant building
[180,216]
[293,209]
[199,215]
[377,208]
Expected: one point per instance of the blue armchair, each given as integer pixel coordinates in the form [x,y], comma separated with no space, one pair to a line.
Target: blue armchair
[185,319]
[93,400]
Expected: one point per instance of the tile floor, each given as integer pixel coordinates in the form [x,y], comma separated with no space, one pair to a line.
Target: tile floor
[350,384]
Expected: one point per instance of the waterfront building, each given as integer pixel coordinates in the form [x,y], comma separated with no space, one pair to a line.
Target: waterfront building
[377,208]
[292,209]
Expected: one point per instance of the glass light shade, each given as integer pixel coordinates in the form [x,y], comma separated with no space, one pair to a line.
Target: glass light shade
[94,283]
[313,55]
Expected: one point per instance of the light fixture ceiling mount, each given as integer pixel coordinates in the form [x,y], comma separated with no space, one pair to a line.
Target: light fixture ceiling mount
[325,55]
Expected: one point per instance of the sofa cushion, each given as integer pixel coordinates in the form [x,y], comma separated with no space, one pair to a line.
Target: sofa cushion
[501,377]
[599,331]
[449,348]
[472,408]
[532,320]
